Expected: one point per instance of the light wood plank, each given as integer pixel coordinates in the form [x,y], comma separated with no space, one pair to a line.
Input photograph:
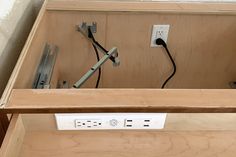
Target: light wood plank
[121,100]
[149,66]
[137,6]
[76,55]
[201,62]
[129,144]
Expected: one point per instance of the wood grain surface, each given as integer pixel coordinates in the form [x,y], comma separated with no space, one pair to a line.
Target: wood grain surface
[12,143]
[129,144]
[142,6]
[121,100]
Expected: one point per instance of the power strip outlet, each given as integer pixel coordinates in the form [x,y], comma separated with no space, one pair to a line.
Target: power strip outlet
[110,121]
[88,123]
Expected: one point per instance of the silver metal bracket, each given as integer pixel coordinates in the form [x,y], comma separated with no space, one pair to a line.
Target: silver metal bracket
[45,68]
[84,78]
[83,29]
[112,54]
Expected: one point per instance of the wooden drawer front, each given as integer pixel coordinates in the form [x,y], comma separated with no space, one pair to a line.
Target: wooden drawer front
[36,136]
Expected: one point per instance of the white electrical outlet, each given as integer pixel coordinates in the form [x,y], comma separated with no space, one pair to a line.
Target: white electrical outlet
[88,123]
[110,121]
[159,31]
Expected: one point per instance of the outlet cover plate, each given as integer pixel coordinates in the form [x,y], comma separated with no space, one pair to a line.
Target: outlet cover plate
[159,31]
[110,121]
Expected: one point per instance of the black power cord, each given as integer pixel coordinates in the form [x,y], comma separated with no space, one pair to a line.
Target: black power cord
[159,41]
[90,35]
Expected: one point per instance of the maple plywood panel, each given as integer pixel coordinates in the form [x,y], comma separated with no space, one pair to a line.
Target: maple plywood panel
[76,54]
[202,45]
[129,144]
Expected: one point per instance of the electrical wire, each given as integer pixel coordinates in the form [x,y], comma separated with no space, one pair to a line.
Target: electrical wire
[112,58]
[90,35]
[159,41]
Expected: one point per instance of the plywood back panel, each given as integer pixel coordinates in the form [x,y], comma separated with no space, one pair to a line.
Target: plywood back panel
[76,54]
[203,47]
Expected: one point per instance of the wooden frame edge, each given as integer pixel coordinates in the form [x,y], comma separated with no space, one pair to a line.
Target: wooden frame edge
[162,7]
[14,138]
[20,60]
[121,100]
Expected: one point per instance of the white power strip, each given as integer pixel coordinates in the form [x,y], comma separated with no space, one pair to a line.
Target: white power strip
[110,121]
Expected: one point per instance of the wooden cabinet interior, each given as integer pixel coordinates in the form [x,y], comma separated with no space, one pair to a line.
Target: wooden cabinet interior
[201,39]
[202,45]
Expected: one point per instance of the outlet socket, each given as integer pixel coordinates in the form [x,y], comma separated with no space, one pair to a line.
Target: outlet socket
[110,121]
[140,123]
[159,31]
[88,123]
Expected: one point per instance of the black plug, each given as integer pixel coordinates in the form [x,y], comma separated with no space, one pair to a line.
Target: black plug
[160,41]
